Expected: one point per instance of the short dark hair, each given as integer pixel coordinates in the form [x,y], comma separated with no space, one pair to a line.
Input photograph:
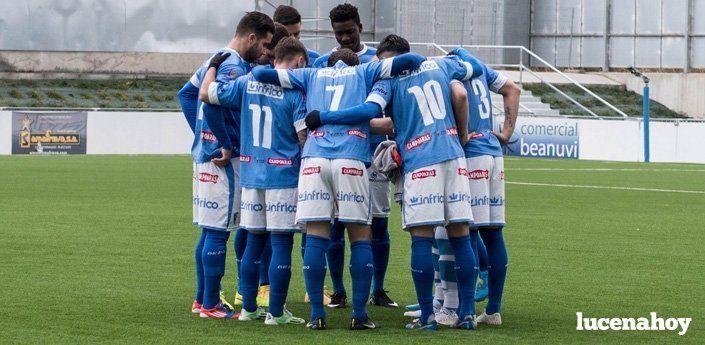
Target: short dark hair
[346,55]
[286,15]
[344,12]
[288,48]
[393,43]
[255,22]
[280,33]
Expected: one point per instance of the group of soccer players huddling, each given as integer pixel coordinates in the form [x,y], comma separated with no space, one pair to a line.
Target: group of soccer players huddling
[287,141]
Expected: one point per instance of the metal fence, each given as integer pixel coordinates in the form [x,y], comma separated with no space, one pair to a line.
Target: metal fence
[606,34]
[200,26]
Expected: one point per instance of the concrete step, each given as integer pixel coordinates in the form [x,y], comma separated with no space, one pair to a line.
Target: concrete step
[543,112]
[528,101]
[523,97]
[530,105]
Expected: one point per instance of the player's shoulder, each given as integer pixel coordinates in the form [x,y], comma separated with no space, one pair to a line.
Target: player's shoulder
[321,61]
[312,54]
[235,63]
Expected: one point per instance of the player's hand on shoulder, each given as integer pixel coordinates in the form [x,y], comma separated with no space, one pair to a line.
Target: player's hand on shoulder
[313,120]
[224,159]
[218,59]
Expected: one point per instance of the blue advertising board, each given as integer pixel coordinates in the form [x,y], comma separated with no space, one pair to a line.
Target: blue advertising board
[544,137]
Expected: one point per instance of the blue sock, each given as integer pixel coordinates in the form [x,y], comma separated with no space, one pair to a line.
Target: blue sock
[481,255]
[361,273]
[200,278]
[336,256]
[422,273]
[213,256]
[250,270]
[438,290]
[303,244]
[240,243]
[465,272]
[315,272]
[496,267]
[279,271]
[265,260]
[380,251]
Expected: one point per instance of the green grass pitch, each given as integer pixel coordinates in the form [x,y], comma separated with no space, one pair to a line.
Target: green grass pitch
[99,249]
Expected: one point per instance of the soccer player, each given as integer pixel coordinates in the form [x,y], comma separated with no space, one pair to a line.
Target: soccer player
[333,180]
[217,200]
[486,174]
[436,191]
[291,19]
[347,27]
[267,59]
[280,33]
[271,119]
[345,21]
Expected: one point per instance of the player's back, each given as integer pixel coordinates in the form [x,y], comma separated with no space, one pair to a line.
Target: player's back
[480,118]
[334,88]
[424,123]
[270,153]
[205,145]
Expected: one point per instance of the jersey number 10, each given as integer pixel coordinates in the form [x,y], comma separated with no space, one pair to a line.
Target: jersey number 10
[430,101]
[257,111]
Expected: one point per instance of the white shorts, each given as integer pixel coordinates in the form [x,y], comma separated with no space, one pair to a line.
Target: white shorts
[437,194]
[333,188]
[271,210]
[195,193]
[486,175]
[218,198]
[379,193]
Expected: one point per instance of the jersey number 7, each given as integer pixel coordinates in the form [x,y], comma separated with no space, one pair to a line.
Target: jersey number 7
[337,96]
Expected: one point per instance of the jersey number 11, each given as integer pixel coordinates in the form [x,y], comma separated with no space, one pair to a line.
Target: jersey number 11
[257,111]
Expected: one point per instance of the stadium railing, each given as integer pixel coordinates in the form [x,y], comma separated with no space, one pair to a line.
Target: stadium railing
[522,67]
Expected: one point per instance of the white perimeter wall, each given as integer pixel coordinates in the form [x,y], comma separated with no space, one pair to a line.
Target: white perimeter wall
[138,133]
[682,142]
[123,133]
[168,133]
[5,133]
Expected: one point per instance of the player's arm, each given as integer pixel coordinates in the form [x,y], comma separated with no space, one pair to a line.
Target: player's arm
[216,122]
[321,61]
[210,75]
[225,94]
[391,67]
[510,93]
[376,101]
[349,116]
[461,65]
[188,99]
[383,126]
[288,79]
[459,98]
[302,135]
[215,119]
[299,119]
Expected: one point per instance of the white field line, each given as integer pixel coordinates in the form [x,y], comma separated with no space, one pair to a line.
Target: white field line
[607,187]
[604,169]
